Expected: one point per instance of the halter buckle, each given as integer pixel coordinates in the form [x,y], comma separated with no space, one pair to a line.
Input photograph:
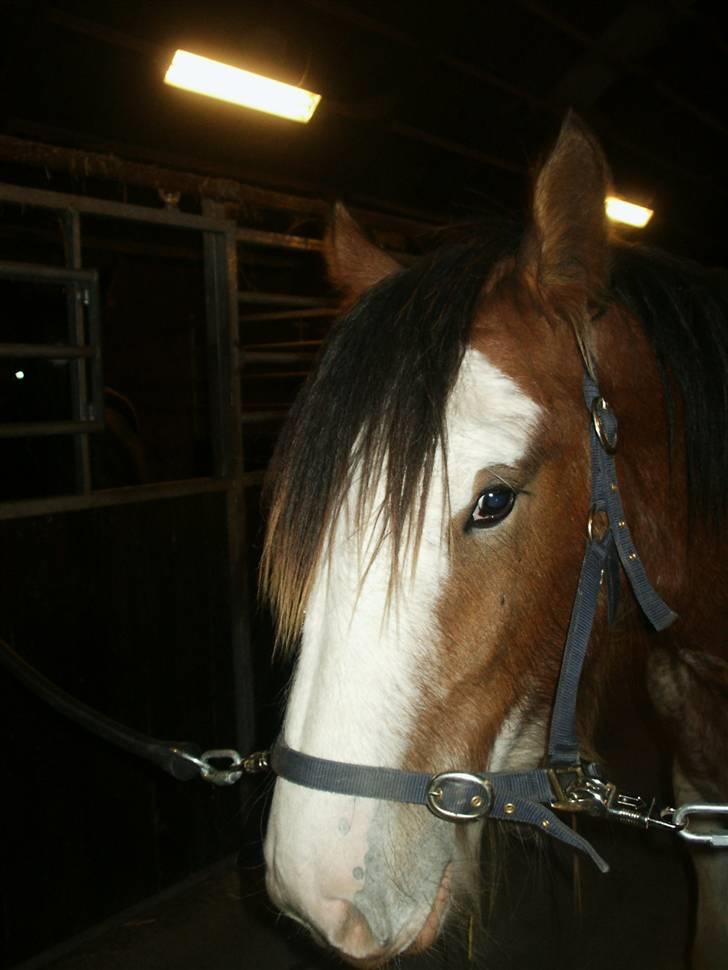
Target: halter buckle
[469,796]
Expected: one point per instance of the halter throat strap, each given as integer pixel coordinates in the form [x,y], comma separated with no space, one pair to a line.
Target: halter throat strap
[526,797]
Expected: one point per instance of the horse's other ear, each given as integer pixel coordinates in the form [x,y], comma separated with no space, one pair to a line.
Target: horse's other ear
[566,252]
[354,264]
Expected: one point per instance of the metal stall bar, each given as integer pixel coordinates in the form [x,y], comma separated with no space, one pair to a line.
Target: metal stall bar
[37,273]
[102,207]
[285,315]
[45,351]
[282,345]
[221,286]
[111,497]
[274,357]
[285,299]
[278,240]
[83,287]
[40,429]
[77,335]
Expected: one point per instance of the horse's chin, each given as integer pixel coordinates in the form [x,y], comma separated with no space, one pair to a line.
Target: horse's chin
[434,922]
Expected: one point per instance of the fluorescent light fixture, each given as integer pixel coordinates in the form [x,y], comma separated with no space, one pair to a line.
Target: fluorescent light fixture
[619,210]
[226,83]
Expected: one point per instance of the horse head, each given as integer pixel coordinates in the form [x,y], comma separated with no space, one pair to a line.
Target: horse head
[426,534]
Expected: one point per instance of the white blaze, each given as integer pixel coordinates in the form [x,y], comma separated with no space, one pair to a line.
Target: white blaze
[355,689]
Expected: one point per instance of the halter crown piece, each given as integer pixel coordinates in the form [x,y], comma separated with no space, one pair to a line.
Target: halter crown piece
[567,783]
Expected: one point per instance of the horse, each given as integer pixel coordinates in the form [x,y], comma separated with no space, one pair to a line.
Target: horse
[430,495]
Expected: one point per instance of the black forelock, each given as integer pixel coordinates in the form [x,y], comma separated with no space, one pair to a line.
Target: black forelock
[376,403]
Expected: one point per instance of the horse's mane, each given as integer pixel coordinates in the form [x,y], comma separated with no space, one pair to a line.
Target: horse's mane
[377,401]
[683,309]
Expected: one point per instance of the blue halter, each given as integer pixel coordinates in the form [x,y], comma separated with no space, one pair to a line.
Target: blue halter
[566,784]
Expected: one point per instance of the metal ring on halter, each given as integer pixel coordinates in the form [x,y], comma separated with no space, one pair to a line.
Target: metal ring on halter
[594,511]
[599,410]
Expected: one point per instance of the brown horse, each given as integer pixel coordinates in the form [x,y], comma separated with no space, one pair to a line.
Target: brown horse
[428,524]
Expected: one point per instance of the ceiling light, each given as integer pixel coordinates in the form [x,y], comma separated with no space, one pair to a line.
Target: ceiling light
[619,210]
[226,83]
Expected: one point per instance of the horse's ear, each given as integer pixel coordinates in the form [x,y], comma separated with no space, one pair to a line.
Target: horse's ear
[566,252]
[354,264]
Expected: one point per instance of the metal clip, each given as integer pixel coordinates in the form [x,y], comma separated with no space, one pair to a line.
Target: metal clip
[583,790]
[682,822]
[256,762]
[228,775]
[577,791]
[634,810]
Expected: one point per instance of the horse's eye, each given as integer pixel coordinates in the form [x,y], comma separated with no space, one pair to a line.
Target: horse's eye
[494,504]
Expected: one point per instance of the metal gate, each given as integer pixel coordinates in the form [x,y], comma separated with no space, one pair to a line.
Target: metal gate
[131,595]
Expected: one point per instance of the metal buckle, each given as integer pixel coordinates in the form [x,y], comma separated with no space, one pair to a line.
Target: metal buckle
[480,803]
[599,410]
[681,819]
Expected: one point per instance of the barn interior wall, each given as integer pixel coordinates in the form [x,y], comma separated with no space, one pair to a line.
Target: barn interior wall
[125,608]
[135,608]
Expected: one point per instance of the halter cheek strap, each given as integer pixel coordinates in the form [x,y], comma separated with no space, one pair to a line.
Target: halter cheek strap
[602,558]
[566,784]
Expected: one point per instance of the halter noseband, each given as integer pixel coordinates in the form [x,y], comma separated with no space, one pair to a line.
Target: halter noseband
[567,784]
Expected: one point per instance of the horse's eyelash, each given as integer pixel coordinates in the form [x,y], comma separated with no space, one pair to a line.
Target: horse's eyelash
[514,488]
